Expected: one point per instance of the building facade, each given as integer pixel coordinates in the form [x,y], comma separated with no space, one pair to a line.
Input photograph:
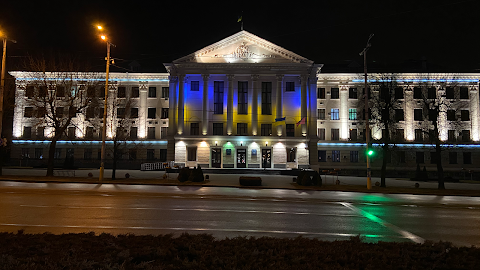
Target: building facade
[244,102]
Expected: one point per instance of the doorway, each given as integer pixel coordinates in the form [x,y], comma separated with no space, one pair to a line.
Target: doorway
[266,158]
[216,157]
[241,158]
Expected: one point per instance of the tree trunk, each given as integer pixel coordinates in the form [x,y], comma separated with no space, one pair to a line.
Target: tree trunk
[438,150]
[51,157]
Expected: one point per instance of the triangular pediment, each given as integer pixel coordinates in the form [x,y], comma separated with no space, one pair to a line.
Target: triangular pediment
[243,47]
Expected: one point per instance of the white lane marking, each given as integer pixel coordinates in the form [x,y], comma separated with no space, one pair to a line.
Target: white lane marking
[190,229]
[406,234]
[189,209]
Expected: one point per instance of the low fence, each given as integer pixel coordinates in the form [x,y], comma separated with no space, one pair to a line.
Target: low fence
[156,166]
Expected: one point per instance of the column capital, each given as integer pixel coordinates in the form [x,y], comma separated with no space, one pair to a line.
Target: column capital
[255,77]
[230,77]
[206,77]
[173,79]
[279,77]
[304,77]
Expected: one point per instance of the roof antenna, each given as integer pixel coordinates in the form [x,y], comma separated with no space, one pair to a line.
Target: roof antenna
[240,20]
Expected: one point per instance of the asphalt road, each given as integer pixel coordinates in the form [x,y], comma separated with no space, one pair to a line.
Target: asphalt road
[230,212]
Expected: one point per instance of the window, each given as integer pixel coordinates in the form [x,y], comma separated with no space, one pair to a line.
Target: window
[91,91]
[150,154]
[121,92]
[60,92]
[322,156]
[399,115]
[27,132]
[463,92]
[191,153]
[321,134]
[59,112]
[321,93]
[465,135]
[242,97]
[42,91]
[432,93]
[164,113]
[290,128]
[87,154]
[352,93]
[218,129]
[28,112]
[417,93]
[120,133]
[398,93]
[25,153]
[465,114]
[163,155]
[418,135]
[41,111]
[451,115]
[399,135]
[432,114]
[335,134]
[152,92]
[290,86]
[467,158]
[133,112]
[132,154]
[266,130]
[321,114]
[165,92]
[336,155]
[451,136]
[120,113]
[417,114]
[89,134]
[242,129]
[71,132]
[352,114]
[291,154]
[58,153]
[151,133]
[133,133]
[334,114]
[385,94]
[152,113]
[452,157]
[90,112]
[353,156]
[353,134]
[419,157]
[30,91]
[41,133]
[335,93]
[39,153]
[135,92]
[163,132]
[194,86]
[218,97]
[401,157]
[194,128]
[450,93]
[266,98]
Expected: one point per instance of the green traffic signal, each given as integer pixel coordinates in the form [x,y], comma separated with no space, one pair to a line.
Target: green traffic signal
[370,152]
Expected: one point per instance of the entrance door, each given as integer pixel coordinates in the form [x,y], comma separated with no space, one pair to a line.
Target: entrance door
[266,158]
[216,157]
[241,158]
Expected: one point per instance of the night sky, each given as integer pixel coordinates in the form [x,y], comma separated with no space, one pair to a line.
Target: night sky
[444,33]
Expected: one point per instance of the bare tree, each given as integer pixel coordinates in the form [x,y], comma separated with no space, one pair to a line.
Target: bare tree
[55,98]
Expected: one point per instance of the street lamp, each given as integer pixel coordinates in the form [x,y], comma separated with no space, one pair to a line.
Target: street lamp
[2,84]
[104,130]
[367,117]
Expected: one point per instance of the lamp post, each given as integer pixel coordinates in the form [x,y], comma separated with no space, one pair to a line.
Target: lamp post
[367,116]
[2,87]
[104,130]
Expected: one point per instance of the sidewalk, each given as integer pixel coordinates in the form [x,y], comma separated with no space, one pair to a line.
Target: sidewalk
[347,183]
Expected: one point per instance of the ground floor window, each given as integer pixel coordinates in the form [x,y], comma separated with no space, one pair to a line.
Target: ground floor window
[420,157]
[336,155]
[353,156]
[322,156]
[87,154]
[467,158]
[452,157]
[291,154]
[150,154]
[39,153]
[192,153]
[163,155]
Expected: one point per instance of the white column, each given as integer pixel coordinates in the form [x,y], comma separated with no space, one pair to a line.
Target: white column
[344,113]
[206,77]
[255,104]
[181,102]
[279,108]
[230,104]
[304,103]
[409,107]
[142,114]
[474,114]
[172,104]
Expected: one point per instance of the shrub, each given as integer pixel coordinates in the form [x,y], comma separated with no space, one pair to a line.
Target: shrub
[309,178]
[184,174]
[196,175]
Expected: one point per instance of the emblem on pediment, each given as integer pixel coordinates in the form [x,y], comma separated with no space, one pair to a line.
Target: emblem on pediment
[243,52]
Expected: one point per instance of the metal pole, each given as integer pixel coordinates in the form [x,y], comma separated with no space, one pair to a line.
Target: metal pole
[104,130]
[2,87]
[367,116]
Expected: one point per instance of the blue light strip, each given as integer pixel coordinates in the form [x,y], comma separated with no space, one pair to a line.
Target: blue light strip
[403,145]
[87,142]
[419,80]
[90,79]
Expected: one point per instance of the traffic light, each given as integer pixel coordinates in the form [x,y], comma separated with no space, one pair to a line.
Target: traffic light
[370,152]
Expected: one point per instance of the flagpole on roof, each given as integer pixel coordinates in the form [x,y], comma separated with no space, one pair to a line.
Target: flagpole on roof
[240,20]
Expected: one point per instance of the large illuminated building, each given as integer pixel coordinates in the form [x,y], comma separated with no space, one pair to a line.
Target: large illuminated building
[244,102]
